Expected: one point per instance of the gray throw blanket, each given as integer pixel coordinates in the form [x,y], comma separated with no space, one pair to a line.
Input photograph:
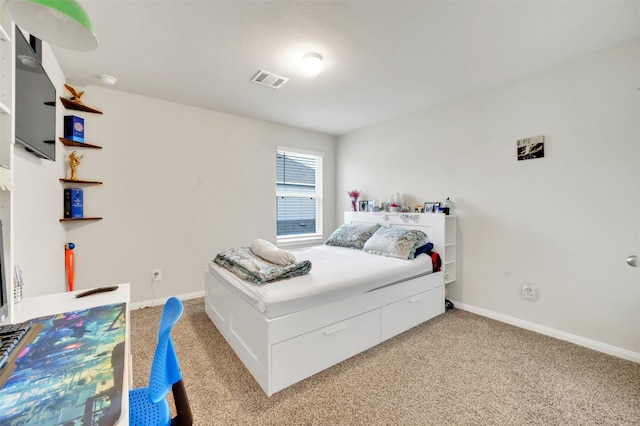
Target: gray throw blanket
[246,265]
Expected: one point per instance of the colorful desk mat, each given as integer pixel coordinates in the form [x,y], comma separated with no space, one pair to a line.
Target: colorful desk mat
[72,373]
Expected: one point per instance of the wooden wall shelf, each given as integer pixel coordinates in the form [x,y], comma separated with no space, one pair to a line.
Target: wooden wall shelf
[69,142]
[69,104]
[75,219]
[86,182]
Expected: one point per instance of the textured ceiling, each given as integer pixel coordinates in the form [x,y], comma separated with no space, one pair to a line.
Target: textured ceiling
[382,58]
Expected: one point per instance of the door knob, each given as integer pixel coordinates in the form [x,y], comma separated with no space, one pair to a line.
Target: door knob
[632,260]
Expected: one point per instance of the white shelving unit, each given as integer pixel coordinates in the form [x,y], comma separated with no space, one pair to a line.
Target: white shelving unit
[6,80]
[449,258]
[7,66]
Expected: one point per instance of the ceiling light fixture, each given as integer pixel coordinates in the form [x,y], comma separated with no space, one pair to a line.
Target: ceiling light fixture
[107,79]
[312,63]
[63,23]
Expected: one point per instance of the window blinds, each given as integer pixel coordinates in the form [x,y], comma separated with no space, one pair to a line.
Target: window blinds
[298,193]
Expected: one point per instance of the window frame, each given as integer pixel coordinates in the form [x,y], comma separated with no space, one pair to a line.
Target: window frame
[316,236]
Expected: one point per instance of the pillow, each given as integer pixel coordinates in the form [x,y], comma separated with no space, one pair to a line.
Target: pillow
[351,236]
[421,240]
[270,252]
[394,242]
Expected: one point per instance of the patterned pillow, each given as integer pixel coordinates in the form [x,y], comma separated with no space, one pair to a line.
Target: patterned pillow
[421,240]
[351,236]
[395,242]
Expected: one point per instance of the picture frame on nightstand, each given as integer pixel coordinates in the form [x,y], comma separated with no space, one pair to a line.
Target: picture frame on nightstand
[432,206]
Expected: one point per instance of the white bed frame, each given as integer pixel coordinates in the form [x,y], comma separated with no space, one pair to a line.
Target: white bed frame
[285,350]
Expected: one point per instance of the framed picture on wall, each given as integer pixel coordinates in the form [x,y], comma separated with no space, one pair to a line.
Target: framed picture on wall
[530,148]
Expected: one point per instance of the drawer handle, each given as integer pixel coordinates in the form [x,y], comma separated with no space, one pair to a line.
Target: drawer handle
[416,299]
[335,329]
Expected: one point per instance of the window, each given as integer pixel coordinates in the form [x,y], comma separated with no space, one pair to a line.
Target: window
[298,194]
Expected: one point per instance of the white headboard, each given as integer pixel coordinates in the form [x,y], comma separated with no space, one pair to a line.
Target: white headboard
[432,224]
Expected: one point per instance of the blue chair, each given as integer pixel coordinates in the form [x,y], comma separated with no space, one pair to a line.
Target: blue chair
[149,406]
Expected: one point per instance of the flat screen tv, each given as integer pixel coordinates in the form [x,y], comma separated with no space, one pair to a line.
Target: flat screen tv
[35,108]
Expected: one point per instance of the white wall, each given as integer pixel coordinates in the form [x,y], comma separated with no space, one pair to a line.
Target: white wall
[564,223]
[180,185]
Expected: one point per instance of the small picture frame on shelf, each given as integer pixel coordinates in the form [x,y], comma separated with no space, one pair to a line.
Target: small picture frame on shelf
[362,205]
[371,204]
[432,206]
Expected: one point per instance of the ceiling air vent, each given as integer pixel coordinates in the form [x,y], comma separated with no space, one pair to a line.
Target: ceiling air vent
[269,79]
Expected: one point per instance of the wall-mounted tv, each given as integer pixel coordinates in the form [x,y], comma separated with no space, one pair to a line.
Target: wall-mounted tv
[35,108]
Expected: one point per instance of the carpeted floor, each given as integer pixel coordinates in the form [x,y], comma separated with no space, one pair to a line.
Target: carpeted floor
[457,369]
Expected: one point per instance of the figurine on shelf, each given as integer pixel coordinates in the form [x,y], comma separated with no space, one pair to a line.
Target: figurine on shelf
[74,161]
[75,102]
[75,96]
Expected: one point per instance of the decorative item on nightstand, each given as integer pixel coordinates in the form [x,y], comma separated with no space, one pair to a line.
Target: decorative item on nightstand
[396,203]
[448,206]
[354,194]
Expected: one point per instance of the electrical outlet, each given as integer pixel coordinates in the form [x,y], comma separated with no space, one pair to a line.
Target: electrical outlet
[156,274]
[529,291]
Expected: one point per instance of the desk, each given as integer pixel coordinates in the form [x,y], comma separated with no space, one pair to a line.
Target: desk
[40,306]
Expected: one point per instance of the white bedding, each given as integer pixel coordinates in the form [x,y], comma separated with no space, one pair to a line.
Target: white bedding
[336,273]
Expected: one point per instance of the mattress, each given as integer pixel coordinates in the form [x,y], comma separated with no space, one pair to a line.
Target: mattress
[336,273]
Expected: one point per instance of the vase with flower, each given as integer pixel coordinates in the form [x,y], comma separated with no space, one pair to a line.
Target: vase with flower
[354,194]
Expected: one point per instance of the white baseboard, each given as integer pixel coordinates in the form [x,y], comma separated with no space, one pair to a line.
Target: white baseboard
[162,301]
[547,331]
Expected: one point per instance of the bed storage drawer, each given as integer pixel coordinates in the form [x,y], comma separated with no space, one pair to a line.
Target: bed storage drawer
[313,352]
[406,313]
